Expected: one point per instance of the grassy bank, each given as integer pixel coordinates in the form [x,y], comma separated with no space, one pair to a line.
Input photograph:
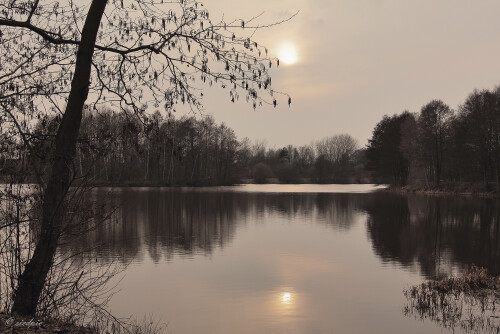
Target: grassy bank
[468,302]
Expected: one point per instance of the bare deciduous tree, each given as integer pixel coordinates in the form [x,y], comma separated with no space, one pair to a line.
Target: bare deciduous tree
[57,57]
[432,125]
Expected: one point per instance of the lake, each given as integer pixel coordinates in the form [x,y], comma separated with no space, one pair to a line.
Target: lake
[287,258]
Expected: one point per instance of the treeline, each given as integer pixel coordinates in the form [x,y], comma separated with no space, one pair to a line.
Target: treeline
[118,149]
[439,146]
[436,148]
[335,159]
[121,149]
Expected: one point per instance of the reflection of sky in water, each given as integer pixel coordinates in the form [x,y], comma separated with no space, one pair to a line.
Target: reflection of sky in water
[268,263]
[277,277]
[295,188]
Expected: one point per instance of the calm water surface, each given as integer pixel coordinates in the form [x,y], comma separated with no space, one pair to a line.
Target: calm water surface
[288,259]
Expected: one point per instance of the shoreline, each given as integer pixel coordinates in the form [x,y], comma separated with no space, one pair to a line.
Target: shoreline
[163,185]
[443,191]
[447,189]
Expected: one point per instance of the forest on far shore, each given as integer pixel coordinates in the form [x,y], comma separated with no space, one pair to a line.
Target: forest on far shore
[440,148]
[431,149]
[118,149]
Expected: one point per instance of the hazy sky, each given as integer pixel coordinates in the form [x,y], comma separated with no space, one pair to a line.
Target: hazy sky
[361,59]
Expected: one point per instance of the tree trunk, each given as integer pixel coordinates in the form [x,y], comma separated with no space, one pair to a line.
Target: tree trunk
[32,280]
[146,174]
[438,160]
[164,161]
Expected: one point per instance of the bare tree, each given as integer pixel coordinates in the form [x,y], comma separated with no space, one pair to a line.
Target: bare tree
[336,147]
[58,56]
[432,125]
[336,154]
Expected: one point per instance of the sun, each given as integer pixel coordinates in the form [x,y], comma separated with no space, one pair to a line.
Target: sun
[288,54]
[286,298]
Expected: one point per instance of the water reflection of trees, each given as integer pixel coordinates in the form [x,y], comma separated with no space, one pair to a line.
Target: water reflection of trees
[166,222]
[436,233]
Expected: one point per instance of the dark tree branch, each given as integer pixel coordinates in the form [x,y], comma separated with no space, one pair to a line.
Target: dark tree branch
[33,9]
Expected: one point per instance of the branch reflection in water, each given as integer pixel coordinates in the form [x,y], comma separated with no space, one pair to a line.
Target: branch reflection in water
[429,233]
[288,261]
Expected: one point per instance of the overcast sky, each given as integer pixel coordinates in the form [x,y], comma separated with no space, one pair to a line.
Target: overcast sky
[361,59]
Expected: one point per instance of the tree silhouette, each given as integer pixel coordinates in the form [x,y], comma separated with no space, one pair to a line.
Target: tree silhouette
[385,157]
[56,57]
[480,115]
[432,130]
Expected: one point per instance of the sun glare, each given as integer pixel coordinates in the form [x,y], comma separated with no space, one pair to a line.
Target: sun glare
[288,54]
[286,298]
